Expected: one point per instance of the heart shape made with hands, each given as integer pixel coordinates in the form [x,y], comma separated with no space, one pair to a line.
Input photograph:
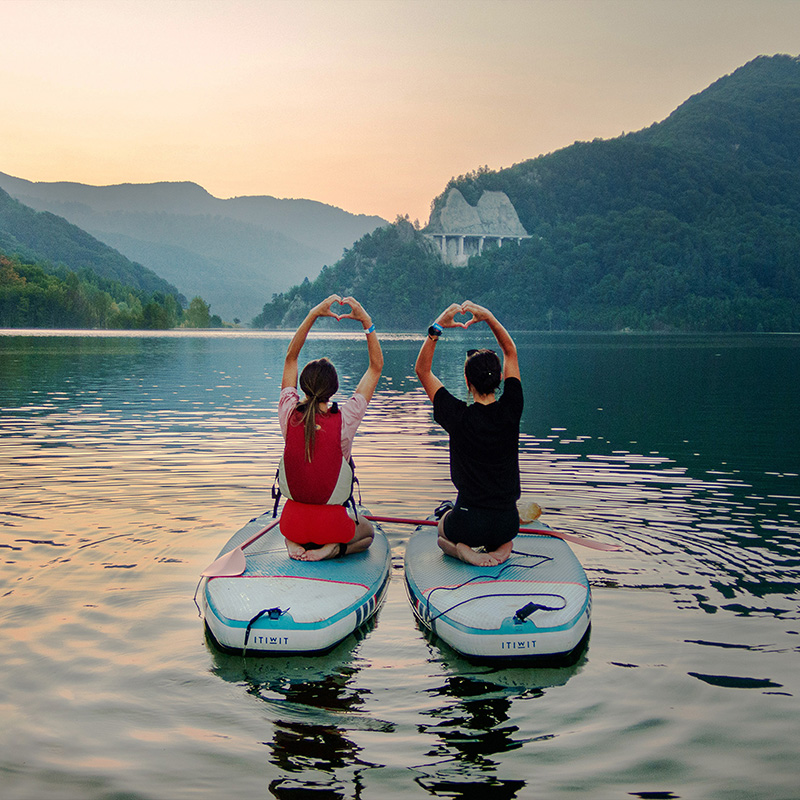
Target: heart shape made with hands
[345,315]
[464,323]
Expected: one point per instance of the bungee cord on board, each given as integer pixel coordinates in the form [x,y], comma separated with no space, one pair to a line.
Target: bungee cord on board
[484,576]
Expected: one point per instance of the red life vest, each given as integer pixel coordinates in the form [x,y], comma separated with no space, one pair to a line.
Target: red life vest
[325,480]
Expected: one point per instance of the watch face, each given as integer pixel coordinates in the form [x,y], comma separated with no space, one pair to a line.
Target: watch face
[435,332]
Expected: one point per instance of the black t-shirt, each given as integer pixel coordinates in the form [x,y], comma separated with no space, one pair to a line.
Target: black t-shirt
[484,446]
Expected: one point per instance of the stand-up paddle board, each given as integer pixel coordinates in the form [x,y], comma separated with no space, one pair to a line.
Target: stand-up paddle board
[279,605]
[538,603]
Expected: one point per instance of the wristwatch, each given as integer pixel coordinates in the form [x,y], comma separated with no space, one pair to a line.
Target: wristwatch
[435,331]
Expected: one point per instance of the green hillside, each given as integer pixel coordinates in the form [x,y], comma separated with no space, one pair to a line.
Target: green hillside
[394,271]
[55,275]
[48,239]
[690,224]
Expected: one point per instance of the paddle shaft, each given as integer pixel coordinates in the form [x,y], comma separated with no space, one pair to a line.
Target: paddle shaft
[543,531]
[258,535]
[406,521]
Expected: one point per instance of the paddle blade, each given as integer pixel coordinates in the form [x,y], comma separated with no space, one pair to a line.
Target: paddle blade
[229,565]
[234,563]
[592,544]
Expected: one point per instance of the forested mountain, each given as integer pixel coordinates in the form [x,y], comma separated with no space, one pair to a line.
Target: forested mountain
[45,237]
[394,271]
[232,252]
[690,224]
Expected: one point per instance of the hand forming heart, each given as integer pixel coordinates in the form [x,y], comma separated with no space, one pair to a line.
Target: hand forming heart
[478,313]
[464,323]
[342,305]
[447,318]
[346,308]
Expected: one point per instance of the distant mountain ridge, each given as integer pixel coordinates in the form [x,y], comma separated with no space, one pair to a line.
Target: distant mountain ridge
[233,252]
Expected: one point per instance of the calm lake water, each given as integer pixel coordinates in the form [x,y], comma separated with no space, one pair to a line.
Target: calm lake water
[128,460]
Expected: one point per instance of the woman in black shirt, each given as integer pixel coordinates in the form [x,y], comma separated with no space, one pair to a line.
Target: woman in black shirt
[484,441]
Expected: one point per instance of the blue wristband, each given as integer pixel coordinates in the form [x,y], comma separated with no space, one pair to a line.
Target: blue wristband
[370,330]
[437,326]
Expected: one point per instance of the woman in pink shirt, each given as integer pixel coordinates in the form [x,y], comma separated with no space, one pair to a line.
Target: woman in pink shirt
[318,438]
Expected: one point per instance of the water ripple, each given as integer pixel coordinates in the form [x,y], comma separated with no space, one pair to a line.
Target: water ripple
[127,462]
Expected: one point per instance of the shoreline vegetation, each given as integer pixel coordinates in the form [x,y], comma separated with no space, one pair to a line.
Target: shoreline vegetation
[34,295]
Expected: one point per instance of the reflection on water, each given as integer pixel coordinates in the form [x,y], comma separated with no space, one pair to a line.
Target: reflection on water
[127,461]
[312,704]
[476,727]
[317,707]
[472,720]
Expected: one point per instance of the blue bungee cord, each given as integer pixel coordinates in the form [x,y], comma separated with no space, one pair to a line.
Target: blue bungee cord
[522,613]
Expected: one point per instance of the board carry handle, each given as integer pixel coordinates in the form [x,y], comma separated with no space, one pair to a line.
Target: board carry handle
[567,537]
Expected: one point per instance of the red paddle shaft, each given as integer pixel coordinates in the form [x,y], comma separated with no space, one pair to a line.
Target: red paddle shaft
[543,531]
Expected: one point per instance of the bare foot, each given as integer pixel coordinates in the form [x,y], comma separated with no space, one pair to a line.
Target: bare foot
[321,553]
[296,551]
[502,553]
[470,556]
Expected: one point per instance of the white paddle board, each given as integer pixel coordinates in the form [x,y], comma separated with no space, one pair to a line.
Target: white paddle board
[536,604]
[279,605]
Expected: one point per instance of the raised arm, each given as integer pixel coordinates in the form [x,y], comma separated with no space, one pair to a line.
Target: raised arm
[424,365]
[504,340]
[369,381]
[290,370]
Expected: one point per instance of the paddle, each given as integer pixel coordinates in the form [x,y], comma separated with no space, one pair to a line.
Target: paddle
[233,563]
[567,537]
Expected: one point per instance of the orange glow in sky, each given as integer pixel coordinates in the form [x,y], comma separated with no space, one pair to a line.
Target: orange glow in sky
[369,105]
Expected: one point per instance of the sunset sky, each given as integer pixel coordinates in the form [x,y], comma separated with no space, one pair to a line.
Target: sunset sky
[369,105]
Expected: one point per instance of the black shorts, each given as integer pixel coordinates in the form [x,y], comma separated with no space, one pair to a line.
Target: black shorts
[481,527]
